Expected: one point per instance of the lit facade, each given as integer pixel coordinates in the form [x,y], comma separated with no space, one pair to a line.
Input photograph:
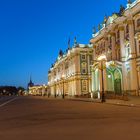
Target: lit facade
[116,51]
[39,90]
[70,75]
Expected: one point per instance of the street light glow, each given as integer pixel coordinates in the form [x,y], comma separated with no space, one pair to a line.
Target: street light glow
[101,57]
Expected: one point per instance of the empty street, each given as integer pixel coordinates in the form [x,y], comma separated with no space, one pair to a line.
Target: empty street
[40,118]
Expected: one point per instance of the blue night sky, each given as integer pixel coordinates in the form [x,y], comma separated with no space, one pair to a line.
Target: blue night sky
[33,31]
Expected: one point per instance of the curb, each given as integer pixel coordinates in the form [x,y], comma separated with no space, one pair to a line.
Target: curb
[99,101]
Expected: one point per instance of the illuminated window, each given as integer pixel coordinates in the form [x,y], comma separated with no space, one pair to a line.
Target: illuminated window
[127,51]
[127,32]
[138,22]
[83,56]
[84,85]
[127,29]
[84,68]
[118,35]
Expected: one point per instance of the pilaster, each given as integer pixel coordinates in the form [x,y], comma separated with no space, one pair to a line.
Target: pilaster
[124,78]
[122,43]
[133,76]
[133,72]
[132,38]
[113,46]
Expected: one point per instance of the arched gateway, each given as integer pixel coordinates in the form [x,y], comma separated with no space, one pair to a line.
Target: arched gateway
[112,76]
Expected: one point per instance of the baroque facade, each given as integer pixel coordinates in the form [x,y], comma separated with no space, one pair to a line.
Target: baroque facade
[116,53]
[70,75]
[40,90]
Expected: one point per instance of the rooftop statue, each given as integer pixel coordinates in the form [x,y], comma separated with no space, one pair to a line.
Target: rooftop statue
[99,27]
[75,41]
[105,19]
[122,9]
[94,30]
[69,44]
[60,53]
[129,1]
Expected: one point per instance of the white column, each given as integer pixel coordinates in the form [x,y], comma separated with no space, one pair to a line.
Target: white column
[88,59]
[124,77]
[106,46]
[113,46]
[138,79]
[105,79]
[74,87]
[122,43]
[77,63]
[94,52]
[122,49]
[100,83]
[133,72]
[132,38]
[89,84]
[133,76]
[92,83]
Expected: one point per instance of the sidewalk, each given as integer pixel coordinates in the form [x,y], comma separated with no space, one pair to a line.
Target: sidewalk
[133,101]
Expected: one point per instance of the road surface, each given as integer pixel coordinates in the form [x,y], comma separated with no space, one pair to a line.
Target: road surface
[38,118]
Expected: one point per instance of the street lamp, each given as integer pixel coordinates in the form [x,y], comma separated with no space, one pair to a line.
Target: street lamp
[48,89]
[55,87]
[101,59]
[63,94]
[100,64]
[103,94]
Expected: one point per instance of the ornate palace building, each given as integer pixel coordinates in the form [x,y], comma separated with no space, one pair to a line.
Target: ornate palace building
[70,75]
[116,53]
[40,90]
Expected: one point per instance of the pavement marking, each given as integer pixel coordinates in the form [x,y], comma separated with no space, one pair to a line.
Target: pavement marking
[3,104]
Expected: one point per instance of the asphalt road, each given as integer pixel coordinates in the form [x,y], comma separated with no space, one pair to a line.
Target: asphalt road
[37,118]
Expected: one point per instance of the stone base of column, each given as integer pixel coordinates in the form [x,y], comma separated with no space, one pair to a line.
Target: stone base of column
[133,92]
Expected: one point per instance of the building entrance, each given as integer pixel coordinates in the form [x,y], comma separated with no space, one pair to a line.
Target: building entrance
[117,86]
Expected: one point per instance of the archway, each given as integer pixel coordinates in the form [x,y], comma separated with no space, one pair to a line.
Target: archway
[110,81]
[97,82]
[117,82]
[128,81]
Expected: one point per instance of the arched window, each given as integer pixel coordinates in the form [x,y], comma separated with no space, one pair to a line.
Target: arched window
[118,34]
[84,85]
[138,22]
[127,28]
[84,68]
[83,56]
[66,65]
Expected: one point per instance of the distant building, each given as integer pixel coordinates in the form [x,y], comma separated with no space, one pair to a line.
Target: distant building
[117,46]
[30,84]
[70,74]
[39,90]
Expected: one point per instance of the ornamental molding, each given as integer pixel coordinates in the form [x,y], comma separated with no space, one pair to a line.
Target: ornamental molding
[121,28]
[130,21]
[136,16]
[113,34]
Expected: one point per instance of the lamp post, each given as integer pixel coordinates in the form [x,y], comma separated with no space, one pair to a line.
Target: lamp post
[100,62]
[48,90]
[103,94]
[63,95]
[55,88]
